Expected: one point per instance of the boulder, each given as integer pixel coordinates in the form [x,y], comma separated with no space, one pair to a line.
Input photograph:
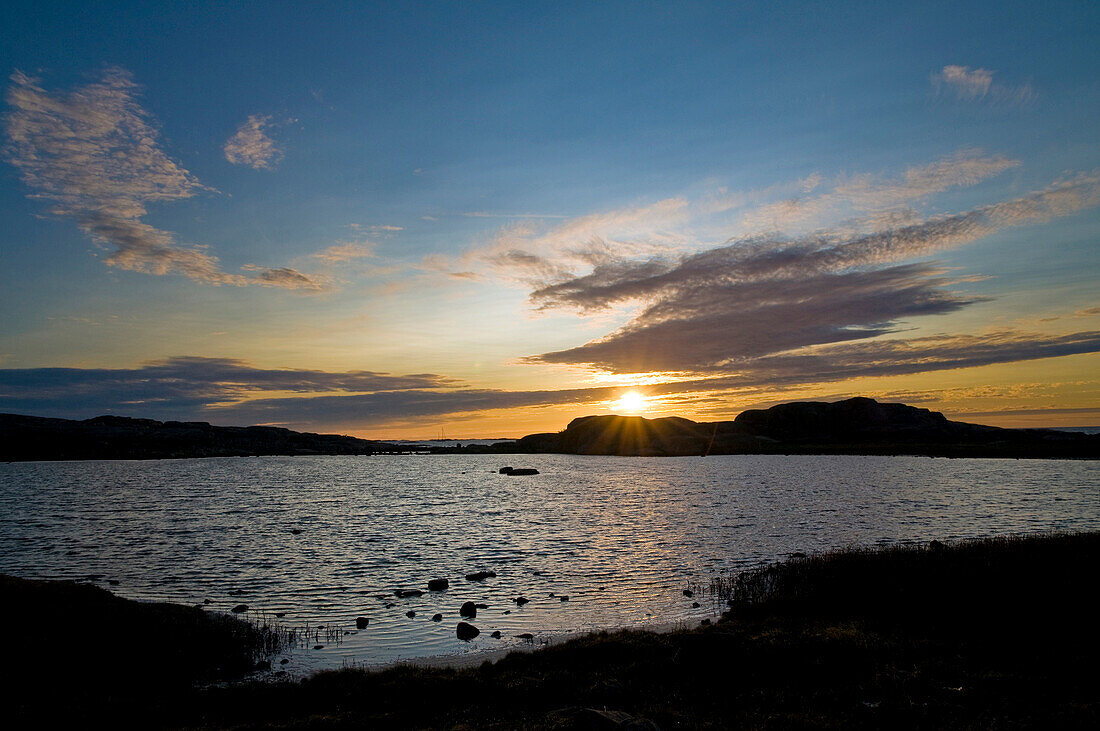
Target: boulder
[466,631]
[361,622]
[521,600]
[437,617]
[410,614]
[695,605]
[438,584]
[469,609]
[480,575]
[496,634]
[689,593]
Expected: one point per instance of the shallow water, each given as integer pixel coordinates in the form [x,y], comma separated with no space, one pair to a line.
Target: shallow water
[621,536]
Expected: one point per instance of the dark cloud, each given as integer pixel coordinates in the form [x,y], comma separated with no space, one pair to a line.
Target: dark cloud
[762,296]
[181,388]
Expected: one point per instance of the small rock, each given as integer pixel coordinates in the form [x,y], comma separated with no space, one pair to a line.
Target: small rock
[521,600]
[798,554]
[361,622]
[239,608]
[704,623]
[403,593]
[284,661]
[410,614]
[437,617]
[280,615]
[551,595]
[466,631]
[563,598]
[318,647]
[525,636]
[296,531]
[695,605]
[480,575]
[469,609]
[496,634]
[689,593]
[237,592]
[207,601]
[507,611]
[438,584]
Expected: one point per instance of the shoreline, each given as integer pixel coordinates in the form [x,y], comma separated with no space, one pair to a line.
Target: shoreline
[985,632]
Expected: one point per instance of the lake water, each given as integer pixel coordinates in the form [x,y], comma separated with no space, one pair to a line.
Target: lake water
[620,536]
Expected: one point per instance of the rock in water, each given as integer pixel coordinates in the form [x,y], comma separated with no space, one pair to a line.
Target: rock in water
[361,622]
[437,617]
[521,600]
[402,593]
[239,608]
[505,470]
[438,584]
[480,575]
[469,609]
[466,631]
[522,471]
[410,614]
[496,634]
[689,593]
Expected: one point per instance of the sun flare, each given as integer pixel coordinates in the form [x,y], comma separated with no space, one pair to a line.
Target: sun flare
[631,402]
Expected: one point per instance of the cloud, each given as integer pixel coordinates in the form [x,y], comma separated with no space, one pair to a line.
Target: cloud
[94,152]
[706,312]
[183,387]
[977,84]
[346,251]
[252,146]
[230,391]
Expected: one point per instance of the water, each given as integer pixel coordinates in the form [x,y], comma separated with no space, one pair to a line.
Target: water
[622,537]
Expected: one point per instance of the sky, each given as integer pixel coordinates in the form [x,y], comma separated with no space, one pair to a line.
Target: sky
[401,220]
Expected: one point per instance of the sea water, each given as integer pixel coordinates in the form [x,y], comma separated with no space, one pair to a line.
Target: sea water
[324,540]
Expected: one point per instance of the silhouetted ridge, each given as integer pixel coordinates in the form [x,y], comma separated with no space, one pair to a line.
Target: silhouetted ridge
[853,426]
[120,437]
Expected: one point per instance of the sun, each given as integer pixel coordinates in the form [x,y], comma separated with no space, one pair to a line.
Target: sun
[631,402]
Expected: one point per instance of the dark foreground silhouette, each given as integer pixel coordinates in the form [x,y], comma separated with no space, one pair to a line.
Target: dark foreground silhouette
[853,426]
[996,633]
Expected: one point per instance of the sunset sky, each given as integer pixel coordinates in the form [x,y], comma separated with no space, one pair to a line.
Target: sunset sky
[394,219]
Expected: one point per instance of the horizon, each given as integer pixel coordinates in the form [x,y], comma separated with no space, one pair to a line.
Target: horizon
[384,221]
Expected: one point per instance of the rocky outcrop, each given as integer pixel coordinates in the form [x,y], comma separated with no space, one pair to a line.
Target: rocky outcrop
[853,426]
[118,437]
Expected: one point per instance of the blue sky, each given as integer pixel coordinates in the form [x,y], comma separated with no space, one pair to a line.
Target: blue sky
[720,205]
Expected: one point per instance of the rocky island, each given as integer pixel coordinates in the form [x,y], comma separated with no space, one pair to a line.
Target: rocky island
[853,426]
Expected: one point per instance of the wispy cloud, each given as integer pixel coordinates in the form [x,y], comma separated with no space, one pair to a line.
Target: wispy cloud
[251,145]
[346,251]
[709,312]
[978,85]
[94,152]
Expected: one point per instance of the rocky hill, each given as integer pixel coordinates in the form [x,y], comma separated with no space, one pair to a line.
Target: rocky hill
[117,437]
[853,426]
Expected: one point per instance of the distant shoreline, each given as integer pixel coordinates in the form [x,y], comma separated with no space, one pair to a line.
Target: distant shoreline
[856,426]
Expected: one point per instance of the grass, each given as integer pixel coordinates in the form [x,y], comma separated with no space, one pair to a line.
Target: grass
[995,633]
